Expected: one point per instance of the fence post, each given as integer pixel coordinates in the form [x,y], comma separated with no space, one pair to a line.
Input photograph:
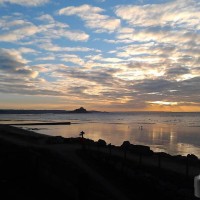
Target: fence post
[187,167]
[110,149]
[140,159]
[159,161]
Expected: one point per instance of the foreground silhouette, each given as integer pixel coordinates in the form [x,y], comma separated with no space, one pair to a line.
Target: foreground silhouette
[36,166]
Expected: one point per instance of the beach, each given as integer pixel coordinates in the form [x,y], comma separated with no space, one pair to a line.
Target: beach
[34,164]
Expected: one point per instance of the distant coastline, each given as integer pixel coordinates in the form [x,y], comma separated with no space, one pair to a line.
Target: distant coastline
[23,111]
[79,110]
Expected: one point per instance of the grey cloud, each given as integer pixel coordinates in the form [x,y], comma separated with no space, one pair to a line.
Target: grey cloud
[26,72]
[177,71]
[98,77]
[7,62]
[103,76]
[148,86]
[13,84]
[27,90]
[160,90]
[80,91]
[191,86]
[77,89]
[11,64]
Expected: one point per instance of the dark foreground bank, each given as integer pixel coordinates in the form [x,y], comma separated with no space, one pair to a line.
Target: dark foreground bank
[36,166]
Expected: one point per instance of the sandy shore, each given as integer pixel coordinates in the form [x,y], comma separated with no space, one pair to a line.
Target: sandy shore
[84,169]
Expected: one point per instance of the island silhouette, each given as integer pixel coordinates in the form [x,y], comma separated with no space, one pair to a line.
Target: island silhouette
[78,110]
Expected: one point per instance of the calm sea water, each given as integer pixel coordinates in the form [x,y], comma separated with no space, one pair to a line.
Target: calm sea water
[174,133]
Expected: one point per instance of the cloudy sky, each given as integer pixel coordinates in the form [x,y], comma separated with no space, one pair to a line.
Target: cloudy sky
[101,54]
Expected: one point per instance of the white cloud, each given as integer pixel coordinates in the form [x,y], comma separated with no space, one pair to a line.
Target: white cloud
[173,13]
[25,2]
[91,15]
[83,11]
[102,59]
[74,35]
[46,17]
[162,55]
[7,23]
[160,36]
[72,58]
[104,25]
[56,29]
[17,29]
[55,32]
[25,50]
[49,46]
[46,58]
[126,30]
[19,33]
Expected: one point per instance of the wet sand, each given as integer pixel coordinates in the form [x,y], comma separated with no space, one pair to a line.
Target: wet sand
[83,169]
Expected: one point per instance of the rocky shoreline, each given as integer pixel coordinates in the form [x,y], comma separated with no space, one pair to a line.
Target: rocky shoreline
[33,164]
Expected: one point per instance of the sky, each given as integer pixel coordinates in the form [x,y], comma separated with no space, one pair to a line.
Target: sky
[139,55]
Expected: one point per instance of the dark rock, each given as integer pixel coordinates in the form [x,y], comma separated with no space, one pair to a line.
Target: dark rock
[126,145]
[141,149]
[164,155]
[101,142]
[192,157]
[80,110]
[89,141]
[56,140]
[185,193]
[180,157]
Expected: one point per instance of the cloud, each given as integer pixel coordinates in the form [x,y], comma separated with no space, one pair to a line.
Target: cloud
[72,58]
[160,35]
[78,90]
[152,55]
[92,17]
[26,88]
[25,2]
[12,63]
[102,59]
[18,29]
[11,22]
[74,35]
[14,28]
[46,18]
[100,76]
[152,86]
[25,50]
[19,33]
[46,58]
[154,59]
[178,71]
[173,13]
[166,90]
[49,46]
[54,29]
[164,34]
[83,10]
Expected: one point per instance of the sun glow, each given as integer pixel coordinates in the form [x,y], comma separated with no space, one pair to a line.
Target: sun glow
[164,103]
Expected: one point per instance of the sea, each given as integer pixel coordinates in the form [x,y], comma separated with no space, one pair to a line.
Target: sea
[176,133]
